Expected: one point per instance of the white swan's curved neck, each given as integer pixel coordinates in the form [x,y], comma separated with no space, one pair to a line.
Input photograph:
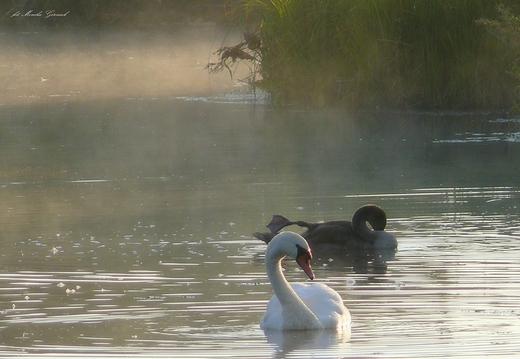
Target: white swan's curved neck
[280,285]
[296,315]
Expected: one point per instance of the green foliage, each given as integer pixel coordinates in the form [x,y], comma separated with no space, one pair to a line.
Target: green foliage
[507,29]
[423,53]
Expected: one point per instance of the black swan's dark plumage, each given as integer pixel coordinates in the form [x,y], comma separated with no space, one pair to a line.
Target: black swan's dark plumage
[353,234]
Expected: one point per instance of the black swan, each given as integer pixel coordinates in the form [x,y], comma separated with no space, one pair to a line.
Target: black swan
[353,234]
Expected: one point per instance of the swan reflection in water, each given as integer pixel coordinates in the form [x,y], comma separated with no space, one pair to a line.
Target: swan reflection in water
[350,243]
[289,341]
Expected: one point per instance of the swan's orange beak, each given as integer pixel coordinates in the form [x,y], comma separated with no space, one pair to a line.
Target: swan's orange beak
[304,261]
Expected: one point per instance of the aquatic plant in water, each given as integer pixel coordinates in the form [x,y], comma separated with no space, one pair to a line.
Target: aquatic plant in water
[378,52]
[247,51]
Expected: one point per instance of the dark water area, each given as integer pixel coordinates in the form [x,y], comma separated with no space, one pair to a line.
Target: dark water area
[126,226]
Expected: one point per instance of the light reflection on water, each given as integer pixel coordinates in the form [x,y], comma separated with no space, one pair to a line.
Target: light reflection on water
[452,290]
[136,241]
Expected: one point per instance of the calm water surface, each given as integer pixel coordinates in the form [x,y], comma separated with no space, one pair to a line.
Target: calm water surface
[126,228]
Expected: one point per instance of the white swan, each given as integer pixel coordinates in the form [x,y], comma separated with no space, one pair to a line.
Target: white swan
[299,306]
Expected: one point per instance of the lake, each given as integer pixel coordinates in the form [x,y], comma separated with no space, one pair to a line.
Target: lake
[127,214]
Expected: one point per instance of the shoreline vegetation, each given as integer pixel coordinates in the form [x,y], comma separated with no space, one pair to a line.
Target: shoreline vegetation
[444,54]
[456,54]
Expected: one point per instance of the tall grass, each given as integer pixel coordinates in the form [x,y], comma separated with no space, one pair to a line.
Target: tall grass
[424,53]
[506,28]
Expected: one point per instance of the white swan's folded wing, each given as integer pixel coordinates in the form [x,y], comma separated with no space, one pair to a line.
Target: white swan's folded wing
[325,303]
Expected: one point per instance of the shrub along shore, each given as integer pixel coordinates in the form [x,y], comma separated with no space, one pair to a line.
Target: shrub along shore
[458,54]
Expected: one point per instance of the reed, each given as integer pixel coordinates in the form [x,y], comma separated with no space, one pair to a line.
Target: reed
[382,52]
[506,28]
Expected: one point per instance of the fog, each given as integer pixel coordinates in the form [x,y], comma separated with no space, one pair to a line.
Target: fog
[78,65]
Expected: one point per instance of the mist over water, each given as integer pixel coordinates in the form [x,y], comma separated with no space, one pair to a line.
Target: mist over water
[131,181]
[43,66]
